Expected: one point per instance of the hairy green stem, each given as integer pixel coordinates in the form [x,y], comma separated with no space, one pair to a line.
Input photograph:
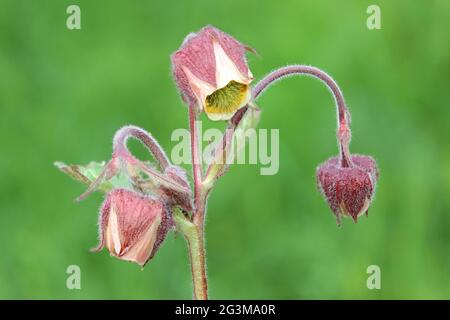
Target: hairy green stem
[195,240]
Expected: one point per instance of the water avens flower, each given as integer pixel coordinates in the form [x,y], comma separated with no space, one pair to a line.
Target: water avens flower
[348,190]
[132,226]
[211,72]
[347,182]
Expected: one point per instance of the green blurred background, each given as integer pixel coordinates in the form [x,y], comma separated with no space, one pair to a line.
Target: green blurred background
[64,93]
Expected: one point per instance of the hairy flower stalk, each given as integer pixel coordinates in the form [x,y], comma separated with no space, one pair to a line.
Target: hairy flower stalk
[144,201]
[121,138]
[347,182]
[343,115]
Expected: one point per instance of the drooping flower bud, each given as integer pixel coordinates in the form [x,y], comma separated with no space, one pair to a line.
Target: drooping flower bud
[348,190]
[132,226]
[211,73]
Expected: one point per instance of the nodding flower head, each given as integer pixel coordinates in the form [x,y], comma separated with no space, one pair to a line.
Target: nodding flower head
[132,226]
[348,190]
[211,73]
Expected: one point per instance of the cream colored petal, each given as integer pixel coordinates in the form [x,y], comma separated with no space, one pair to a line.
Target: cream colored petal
[219,116]
[250,74]
[113,234]
[226,69]
[141,250]
[200,88]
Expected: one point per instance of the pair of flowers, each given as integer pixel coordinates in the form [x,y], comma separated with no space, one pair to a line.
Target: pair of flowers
[212,75]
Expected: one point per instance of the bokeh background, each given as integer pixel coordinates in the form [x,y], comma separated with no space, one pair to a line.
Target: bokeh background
[64,93]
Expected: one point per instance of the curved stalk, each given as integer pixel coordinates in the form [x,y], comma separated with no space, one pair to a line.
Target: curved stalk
[122,135]
[343,115]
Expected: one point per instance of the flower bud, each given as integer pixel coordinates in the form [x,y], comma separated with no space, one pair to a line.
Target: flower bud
[132,226]
[175,197]
[211,72]
[348,190]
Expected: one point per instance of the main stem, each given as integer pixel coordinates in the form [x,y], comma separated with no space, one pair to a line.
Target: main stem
[196,239]
[196,245]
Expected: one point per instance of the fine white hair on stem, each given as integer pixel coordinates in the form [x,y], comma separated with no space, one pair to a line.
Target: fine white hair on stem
[295,70]
[343,115]
[123,134]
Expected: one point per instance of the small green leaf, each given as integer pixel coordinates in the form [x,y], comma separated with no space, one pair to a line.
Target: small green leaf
[88,173]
